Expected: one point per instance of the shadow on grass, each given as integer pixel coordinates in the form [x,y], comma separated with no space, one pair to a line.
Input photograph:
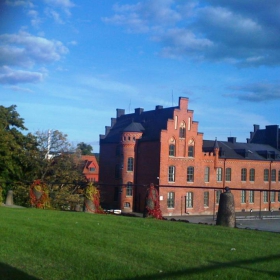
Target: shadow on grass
[8,272]
[242,264]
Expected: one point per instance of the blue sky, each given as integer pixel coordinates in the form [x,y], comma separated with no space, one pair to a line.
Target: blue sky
[69,64]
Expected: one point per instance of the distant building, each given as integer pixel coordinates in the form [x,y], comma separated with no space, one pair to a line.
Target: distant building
[90,168]
[163,147]
[270,136]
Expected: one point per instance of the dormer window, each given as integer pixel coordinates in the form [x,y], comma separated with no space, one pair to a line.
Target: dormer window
[91,169]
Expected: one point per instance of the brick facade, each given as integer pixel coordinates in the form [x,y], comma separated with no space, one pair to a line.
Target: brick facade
[164,147]
[90,168]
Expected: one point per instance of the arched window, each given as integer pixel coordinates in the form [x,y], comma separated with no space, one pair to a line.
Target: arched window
[252,175]
[273,175]
[265,175]
[190,174]
[172,147]
[129,189]
[228,174]
[219,173]
[244,174]
[130,164]
[182,131]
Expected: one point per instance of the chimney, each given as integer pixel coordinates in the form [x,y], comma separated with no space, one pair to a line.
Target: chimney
[232,140]
[139,111]
[159,107]
[120,112]
[256,127]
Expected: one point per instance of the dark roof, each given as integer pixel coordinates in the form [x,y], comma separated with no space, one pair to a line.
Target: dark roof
[250,151]
[150,123]
[134,127]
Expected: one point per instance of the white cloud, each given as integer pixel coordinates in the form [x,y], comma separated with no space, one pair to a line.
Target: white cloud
[245,33]
[21,89]
[65,5]
[10,76]
[25,50]
[54,15]
[15,3]
[145,16]
[256,92]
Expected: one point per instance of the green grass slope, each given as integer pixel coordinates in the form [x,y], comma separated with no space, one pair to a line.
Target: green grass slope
[41,244]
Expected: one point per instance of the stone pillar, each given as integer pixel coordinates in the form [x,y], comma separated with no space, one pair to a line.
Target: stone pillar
[226,212]
[9,199]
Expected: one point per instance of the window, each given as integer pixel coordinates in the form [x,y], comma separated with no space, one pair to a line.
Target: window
[176,122]
[126,205]
[171,173]
[172,150]
[244,174]
[273,175]
[251,197]
[228,174]
[129,189]
[252,175]
[219,174]
[117,171]
[243,196]
[279,176]
[91,169]
[206,199]
[182,130]
[265,196]
[189,200]
[265,175]
[130,164]
[218,194]
[191,151]
[190,174]
[206,174]
[272,196]
[278,196]
[170,200]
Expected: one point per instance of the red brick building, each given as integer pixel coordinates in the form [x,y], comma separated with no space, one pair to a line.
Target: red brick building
[164,147]
[90,168]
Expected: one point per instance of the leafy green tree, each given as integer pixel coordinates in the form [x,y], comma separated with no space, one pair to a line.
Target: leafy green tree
[17,151]
[86,149]
[60,167]
[15,148]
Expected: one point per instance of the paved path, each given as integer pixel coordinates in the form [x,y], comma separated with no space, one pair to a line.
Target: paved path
[268,222]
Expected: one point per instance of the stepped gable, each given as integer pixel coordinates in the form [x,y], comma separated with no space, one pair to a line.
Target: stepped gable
[150,123]
[234,150]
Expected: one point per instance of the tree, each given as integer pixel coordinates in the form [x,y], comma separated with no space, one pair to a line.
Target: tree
[50,144]
[60,167]
[17,154]
[85,148]
[15,147]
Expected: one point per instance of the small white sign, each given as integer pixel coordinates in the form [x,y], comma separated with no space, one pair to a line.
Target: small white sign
[161,197]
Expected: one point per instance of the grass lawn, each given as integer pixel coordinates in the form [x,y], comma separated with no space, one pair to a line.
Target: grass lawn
[43,244]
